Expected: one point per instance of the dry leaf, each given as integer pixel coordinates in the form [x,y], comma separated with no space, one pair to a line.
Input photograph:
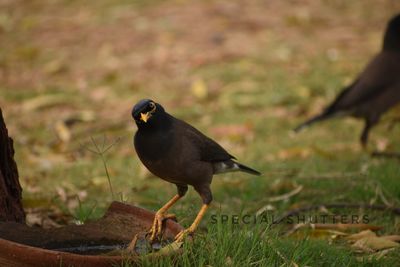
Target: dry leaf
[287,195]
[302,231]
[349,226]
[374,243]
[82,116]
[368,241]
[33,219]
[228,261]
[199,89]
[395,238]
[318,234]
[62,193]
[42,101]
[330,231]
[360,235]
[376,256]
[62,131]
[303,92]
[265,208]
[99,181]
[41,219]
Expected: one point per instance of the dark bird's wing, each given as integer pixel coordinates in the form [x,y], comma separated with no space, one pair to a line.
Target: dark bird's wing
[378,76]
[210,151]
[207,149]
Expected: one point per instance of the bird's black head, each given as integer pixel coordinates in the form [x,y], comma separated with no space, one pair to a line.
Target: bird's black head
[391,40]
[146,111]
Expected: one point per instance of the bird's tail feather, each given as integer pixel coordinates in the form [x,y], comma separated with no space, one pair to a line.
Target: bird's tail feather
[232,166]
[307,123]
[247,169]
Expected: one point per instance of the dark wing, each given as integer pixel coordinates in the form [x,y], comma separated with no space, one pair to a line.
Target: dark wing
[208,149]
[380,73]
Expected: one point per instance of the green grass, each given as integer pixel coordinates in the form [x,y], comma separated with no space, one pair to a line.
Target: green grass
[273,69]
[227,245]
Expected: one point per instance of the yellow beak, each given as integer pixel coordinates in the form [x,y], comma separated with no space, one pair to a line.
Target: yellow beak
[144,116]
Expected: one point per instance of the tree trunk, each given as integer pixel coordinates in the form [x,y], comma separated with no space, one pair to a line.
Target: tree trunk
[10,189]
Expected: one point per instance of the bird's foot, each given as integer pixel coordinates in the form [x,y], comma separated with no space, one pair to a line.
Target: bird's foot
[180,237]
[132,245]
[157,228]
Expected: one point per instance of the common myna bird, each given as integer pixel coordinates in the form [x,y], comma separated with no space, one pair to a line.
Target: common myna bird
[180,154]
[376,89]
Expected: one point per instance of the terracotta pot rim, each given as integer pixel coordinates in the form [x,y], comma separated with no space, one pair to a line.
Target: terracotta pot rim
[12,252]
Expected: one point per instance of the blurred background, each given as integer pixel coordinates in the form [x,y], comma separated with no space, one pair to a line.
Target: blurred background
[243,72]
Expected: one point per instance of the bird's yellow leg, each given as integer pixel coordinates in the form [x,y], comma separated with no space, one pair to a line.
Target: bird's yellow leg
[156,228]
[179,237]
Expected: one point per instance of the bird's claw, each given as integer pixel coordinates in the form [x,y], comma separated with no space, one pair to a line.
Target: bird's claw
[157,228]
[182,235]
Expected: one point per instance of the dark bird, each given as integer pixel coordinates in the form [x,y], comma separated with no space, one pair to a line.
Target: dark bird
[180,154]
[376,89]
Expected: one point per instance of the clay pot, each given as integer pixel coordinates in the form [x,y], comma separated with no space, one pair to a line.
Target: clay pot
[24,246]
